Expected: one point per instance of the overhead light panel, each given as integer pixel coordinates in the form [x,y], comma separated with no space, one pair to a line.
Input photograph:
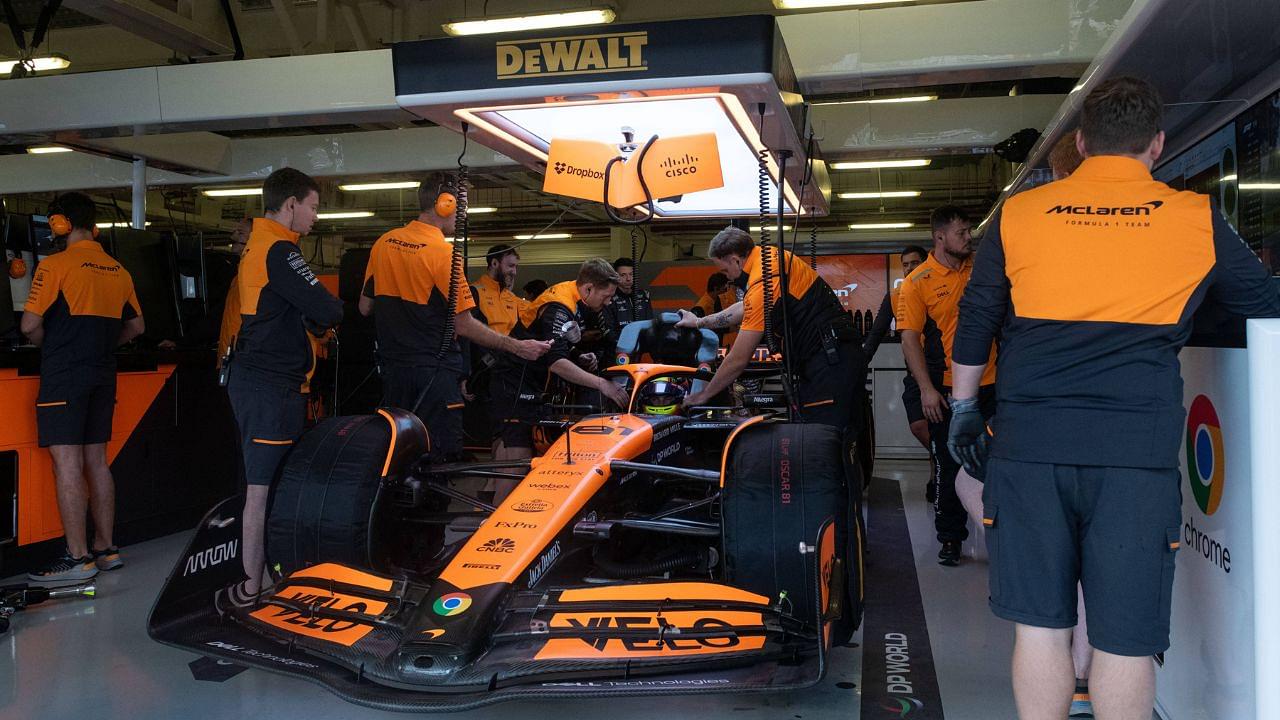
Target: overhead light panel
[364,187]
[1260,186]
[811,4]
[882,101]
[105,225]
[48,149]
[572,18]
[345,215]
[481,210]
[879,195]
[41,64]
[231,192]
[773,228]
[545,236]
[881,226]
[878,164]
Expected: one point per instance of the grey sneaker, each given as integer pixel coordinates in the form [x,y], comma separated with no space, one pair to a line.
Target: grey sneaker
[108,559]
[66,570]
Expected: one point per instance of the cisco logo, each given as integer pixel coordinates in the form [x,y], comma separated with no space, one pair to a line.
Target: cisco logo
[681,166]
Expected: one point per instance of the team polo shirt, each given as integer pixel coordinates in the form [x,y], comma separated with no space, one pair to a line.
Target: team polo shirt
[408,279]
[932,292]
[230,325]
[280,298]
[935,358]
[543,319]
[1089,371]
[499,307]
[812,309]
[84,296]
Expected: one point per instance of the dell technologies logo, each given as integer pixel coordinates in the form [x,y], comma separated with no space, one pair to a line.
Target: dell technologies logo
[563,168]
[1143,209]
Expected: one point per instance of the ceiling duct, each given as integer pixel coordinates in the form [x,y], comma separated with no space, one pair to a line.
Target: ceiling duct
[519,92]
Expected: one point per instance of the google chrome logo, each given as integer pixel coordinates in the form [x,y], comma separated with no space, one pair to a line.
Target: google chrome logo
[1206,462]
[452,604]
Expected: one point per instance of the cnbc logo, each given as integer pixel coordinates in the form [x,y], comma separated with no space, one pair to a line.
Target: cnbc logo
[1206,462]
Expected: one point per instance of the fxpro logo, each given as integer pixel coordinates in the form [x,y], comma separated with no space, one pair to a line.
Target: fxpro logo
[564,168]
[1143,209]
[1207,474]
[681,166]
[897,664]
[573,55]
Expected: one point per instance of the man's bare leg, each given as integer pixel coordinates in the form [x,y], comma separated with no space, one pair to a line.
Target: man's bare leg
[102,495]
[253,523]
[1043,678]
[1122,688]
[73,498]
[1081,651]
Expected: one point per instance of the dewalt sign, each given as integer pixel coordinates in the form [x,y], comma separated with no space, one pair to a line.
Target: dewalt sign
[573,55]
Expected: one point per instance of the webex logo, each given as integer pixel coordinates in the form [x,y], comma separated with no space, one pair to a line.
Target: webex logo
[580,55]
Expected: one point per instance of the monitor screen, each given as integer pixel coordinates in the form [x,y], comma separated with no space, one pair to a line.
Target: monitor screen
[148,256]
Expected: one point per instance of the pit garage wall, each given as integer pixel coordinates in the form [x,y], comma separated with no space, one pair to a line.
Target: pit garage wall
[1225,595]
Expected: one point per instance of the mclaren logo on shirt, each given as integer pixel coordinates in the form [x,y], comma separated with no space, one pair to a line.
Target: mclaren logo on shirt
[580,55]
[1143,209]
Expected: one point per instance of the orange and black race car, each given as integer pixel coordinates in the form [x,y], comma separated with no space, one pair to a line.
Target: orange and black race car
[656,550]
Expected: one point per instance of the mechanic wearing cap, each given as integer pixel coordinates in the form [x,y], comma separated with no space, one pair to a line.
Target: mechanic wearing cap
[499,308]
[80,308]
[1083,480]
[282,305]
[411,282]
[826,344]
[518,385]
[932,292]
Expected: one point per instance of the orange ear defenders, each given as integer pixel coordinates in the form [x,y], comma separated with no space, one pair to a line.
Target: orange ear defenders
[61,225]
[447,199]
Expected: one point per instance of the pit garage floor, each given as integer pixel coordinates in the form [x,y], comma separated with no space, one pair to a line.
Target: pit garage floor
[82,658]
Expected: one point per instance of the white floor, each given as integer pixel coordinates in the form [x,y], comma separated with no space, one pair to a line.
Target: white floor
[93,659]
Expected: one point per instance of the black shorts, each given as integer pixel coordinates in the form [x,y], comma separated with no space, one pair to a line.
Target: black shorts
[831,393]
[1114,530]
[75,416]
[911,399]
[270,418]
[440,409]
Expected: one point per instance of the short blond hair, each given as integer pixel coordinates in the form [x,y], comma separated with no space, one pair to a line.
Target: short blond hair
[597,272]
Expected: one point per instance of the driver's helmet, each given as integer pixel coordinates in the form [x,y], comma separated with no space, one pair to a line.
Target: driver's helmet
[661,396]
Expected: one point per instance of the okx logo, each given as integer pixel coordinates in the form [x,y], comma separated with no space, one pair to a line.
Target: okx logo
[902,707]
[1206,462]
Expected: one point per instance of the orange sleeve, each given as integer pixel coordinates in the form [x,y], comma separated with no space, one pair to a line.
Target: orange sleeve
[367,289]
[45,287]
[911,310]
[895,299]
[753,308]
[132,300]
[440,276]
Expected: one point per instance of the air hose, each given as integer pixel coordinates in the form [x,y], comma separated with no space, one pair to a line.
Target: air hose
[766,262]
[648,196]
[669,561]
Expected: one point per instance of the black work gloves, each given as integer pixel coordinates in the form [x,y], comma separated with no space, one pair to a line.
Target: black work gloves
[968,440]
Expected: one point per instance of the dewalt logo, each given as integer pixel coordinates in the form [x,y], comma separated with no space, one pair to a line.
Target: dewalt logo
[574,55]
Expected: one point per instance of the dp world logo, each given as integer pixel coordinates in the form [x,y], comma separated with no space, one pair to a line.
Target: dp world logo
[903,707]
[1206,462]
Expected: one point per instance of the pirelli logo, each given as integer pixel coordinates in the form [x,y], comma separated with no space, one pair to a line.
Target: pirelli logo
[575,55]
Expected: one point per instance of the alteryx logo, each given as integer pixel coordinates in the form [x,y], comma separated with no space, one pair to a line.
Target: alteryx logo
[1206,461]
[903,707]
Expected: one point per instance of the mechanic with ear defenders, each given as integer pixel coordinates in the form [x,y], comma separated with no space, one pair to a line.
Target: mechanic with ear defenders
[407,290]
[826,347]
[556,317]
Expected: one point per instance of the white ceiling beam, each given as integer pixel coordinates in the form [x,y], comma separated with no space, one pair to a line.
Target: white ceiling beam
[153,22]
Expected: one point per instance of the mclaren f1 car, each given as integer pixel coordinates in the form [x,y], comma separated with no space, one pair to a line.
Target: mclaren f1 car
[653,550]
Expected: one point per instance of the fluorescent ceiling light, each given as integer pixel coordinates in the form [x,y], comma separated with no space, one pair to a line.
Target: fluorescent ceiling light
[545,236]
[810,4]
[882,101]
[481,210]
[346,215]
[231,192]
[42,64]
[1260,186]
[105,225]
[48,149]
[881,226]
[362,187]
[532,127]
[878,195]
[573,18]
[875,164]
[771,228]
[1230,178]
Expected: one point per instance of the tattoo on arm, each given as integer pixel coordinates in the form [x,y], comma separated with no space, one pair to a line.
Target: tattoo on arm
[717,321]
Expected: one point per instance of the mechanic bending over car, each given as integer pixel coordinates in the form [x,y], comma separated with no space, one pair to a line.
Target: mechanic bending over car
[1084,456]
[827,345]
[406,289]
[518,384]
[280,302]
